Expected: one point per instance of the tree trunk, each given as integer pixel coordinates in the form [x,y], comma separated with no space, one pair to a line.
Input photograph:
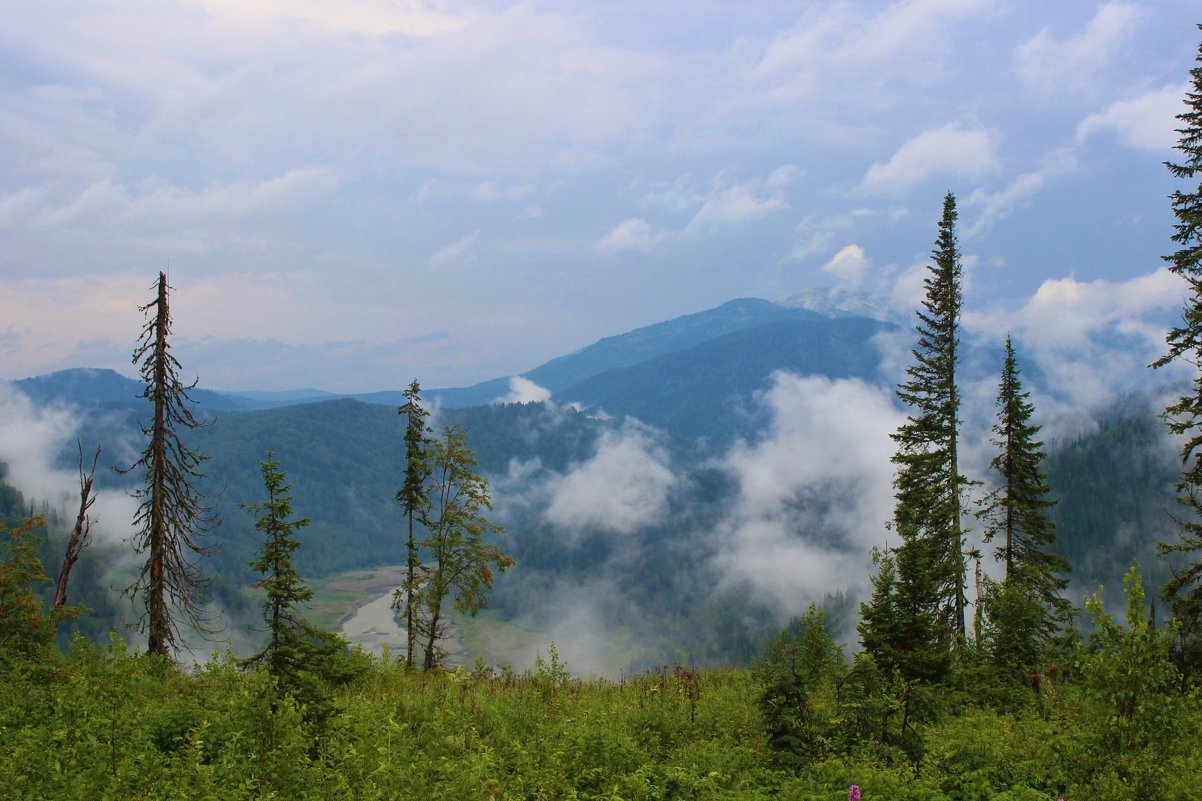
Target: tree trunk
[79,535]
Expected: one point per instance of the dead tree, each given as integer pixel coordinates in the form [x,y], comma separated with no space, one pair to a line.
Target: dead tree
[83,528]
[172,515]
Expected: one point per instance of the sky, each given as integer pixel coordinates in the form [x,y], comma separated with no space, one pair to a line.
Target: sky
[348,195]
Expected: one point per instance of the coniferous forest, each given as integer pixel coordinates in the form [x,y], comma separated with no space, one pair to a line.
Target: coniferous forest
[974,672]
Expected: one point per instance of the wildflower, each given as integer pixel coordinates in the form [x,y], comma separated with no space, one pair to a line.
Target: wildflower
[853,793]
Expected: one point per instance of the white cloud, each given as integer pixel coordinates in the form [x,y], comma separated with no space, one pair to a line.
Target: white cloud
[155,205]
[523,390]
[622,488]
[490,191]
[456,252]
[841,35]
[734,206]
[1147,122]
[848,267]
[950,150]
[1091,340]
[410,17]
[1059,67]
[31,439]
[997,206]
[814,494]
[634,234]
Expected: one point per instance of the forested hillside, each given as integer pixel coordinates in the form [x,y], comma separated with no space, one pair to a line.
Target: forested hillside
[659,582]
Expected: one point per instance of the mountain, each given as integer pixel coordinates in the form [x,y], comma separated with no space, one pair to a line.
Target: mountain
[705,390]
[85,386]
[630,349]
[290,397]
[656,573]
[727,352]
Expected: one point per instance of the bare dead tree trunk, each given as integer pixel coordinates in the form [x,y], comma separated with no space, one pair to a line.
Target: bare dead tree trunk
[83,527]
[156,595]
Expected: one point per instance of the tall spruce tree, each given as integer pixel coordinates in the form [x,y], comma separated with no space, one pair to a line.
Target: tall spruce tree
[916,614]
[1015,512]
[1184,417]
[172,516]
[412,496]
[929,489]
[289,649]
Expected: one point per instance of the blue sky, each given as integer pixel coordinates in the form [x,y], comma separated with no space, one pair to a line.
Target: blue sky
[351,194]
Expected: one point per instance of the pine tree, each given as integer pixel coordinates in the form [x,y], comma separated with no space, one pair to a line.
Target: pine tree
[289,649]
[172,515]
[1015,512]
[1184,417]
[462,560]
[928,485]
[412,496]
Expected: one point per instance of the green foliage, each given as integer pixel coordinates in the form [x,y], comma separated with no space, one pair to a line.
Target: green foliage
[462,558]
[115,725]
[300,660]
[1137,721]
[1015,631]
[287,651]
[899,625]
[27,627]
[799,664]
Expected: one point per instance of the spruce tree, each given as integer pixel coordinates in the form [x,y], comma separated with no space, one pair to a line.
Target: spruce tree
[412,496]
[898,625]
[928,485]
[289,649]
[1015,512]
[1184,417]
[172,515]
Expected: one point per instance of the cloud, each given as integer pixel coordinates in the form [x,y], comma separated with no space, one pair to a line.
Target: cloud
[410,18]
[734,206]
[1091,340]
[155,206]
[841,35]
[814,493]
[848,267]
[622,488]
[1147,122]
[31,441]
[490,191]
[456,252]
[630,235]
[523,390]
[1068,65]
[949,150]
[997,206]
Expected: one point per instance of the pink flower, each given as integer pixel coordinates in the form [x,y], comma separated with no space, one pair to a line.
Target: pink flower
[853,793]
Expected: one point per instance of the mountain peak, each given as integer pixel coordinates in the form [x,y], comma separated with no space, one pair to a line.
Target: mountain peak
[834,302]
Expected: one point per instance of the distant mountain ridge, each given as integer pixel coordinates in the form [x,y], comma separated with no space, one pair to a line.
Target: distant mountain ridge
[717,354]
[632,348]
[90,386]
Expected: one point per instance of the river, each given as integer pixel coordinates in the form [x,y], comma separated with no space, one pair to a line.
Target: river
[374,625]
